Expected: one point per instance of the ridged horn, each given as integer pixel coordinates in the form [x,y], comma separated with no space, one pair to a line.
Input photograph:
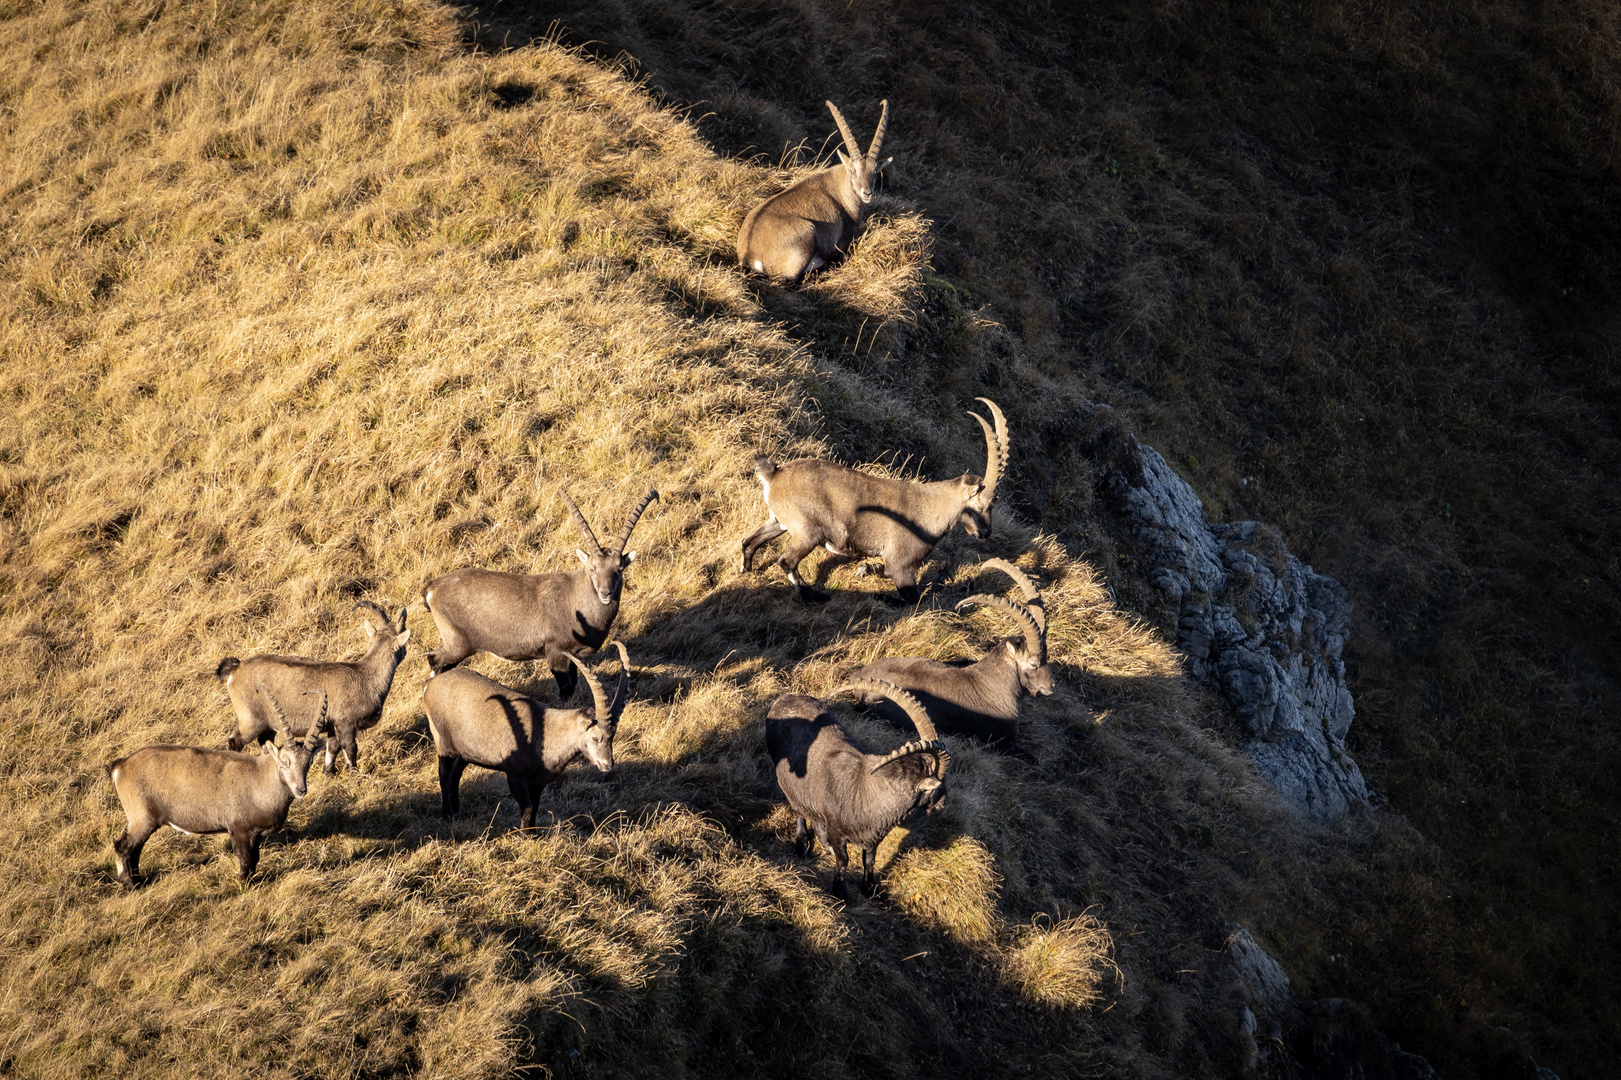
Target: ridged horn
[1027,620]
[281,717]
[878,136]
[1032,595]
[930,740]
[620,693]
[597,693]
[579,519]
[996,448]
[386,620]
[851,147]
[630,522]
[320,721]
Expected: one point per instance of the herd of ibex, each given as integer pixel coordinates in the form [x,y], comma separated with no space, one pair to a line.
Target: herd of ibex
[836,790]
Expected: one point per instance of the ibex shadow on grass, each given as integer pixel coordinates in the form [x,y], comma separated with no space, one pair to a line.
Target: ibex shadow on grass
[820,504]
[562,616]
[803,227]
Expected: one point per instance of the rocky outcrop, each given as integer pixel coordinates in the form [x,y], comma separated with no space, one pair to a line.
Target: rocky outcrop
[1256,624]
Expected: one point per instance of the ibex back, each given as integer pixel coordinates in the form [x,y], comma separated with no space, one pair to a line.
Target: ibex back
[803,227]
[818,503]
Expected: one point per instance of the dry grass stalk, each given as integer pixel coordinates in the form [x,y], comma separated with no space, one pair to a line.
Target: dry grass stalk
[952,889]
[1062,965]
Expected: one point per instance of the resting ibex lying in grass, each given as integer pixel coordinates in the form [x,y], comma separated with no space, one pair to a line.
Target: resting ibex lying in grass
[801,228]
[356,689]
[846,795]
[212,791]
[478,721]
[982,698]
[855,513]
[561,615]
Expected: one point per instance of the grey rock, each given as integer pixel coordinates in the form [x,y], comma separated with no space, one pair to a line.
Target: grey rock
[1257,624]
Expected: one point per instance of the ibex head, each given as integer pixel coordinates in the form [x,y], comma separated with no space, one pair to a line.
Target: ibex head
[606,566]
[596,731]
[293,757]
[862,169]
[979,493]
[929,785]
[382,623]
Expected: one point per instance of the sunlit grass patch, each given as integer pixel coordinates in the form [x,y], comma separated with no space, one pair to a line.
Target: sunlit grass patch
[1063,964]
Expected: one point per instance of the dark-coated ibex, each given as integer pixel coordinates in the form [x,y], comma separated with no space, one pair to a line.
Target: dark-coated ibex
[819,503]
[982,698]
[801,228]
[564,615]
[356,689]
[845,794]
[478,721]
[212,791]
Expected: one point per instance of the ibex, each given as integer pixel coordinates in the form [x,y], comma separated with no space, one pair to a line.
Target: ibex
[845,794]
[477,720]
[802,227]
[212,791]
[982,698]
[855,513]
[357,689]
[562,616]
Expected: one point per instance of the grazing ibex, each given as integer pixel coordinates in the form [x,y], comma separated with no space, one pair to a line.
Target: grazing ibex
[982,698]
[855,513]
[212,791]
[357,689]
[802,227]
[561,615]
[477,720]
[846,795]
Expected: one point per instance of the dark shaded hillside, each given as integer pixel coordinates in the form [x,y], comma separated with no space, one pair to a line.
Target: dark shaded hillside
[1352,268]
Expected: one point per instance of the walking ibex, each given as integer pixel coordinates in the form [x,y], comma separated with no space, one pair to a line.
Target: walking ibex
[982,698]
[356,689]
[560,615]
[478,721]
[855,513]
[801,228]
[848,796]
[212,791]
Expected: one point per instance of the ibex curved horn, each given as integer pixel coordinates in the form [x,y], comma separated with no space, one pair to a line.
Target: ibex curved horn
[579,519]
[320,721]
[851,147]
[1032,595]
[1027,620]
[377,609]
[281,717]
[878,136]
[630,522]
[597,693]
[930,741]
[618,705]
[996,449]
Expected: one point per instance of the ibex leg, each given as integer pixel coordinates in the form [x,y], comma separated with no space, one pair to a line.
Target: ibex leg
[790,560]
[803,841]
[127,853]
[869,879]
[841,864]
[245,843]
[523,792]
[450,779]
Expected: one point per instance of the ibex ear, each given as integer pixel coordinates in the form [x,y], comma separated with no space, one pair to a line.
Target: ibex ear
[626,559]
[842,159]
[585,560]
[402,639]
[884,164]
[371,631]
[399,622]
[928,783]
[1011,651]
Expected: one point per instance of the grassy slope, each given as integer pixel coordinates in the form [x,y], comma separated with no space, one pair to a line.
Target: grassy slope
[1351,266]
[307,304]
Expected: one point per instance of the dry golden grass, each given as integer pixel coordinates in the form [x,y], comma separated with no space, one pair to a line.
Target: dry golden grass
[308,303]
[1062,964]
